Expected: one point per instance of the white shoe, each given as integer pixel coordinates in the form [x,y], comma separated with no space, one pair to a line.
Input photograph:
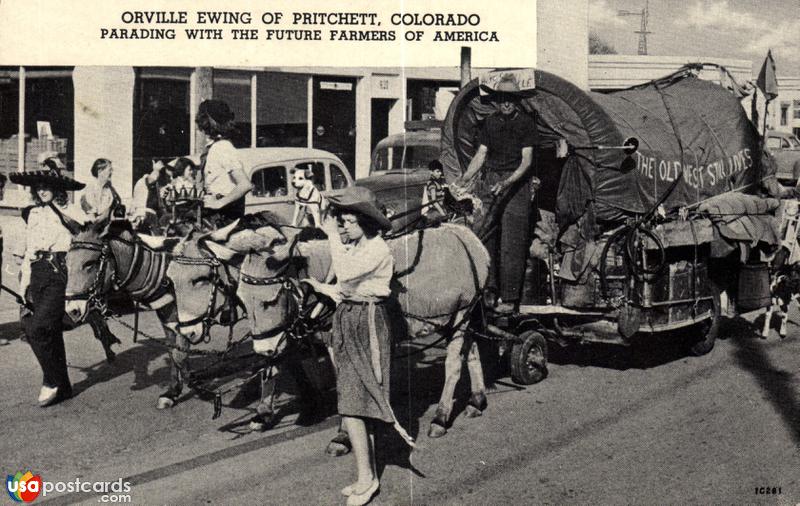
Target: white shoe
[47,394]
[360,499]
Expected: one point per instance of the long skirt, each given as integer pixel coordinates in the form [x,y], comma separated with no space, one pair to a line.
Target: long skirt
[44,327]
[360,392]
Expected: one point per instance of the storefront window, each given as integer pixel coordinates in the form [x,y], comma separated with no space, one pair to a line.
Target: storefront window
[282,110]
[233,87]
[49,116]
[161,117]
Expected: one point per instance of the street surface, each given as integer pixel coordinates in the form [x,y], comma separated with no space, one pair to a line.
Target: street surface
[607,426]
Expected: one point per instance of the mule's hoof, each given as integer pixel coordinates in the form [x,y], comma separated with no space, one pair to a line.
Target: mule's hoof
[336,449]
[435,430]
[472,412]
[165,402]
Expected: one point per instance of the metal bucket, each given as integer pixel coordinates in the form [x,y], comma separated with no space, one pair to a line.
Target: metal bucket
[754,292]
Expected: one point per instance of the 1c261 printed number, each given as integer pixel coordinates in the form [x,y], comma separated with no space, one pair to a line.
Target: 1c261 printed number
[768,490]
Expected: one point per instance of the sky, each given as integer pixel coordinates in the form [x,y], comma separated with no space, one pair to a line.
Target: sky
[741,29]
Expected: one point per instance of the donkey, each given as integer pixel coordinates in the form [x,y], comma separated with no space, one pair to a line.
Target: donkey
[440,274]
[206,294]
[105,257]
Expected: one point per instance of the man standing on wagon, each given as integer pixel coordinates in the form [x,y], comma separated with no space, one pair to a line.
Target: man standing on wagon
[505,153]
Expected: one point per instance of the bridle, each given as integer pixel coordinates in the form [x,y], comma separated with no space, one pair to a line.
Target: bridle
[294,303]
[212,314]
[95,294]
[301,320]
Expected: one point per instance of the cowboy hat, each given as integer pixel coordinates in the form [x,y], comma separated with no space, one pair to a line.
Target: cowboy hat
[51,177]
[359,200]
[507,86]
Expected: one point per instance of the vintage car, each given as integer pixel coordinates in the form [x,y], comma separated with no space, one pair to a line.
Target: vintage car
[269,169]
[399,169]
[785,147]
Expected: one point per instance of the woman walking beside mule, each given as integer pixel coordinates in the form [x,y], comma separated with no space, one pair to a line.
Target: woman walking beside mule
[364,267]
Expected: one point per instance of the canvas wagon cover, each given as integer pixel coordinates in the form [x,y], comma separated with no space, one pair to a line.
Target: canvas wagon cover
[687,128]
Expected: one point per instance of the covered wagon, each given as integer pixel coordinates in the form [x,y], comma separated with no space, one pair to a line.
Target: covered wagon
[630,253]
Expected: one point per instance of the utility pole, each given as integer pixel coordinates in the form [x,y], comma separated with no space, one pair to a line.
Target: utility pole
[643,14]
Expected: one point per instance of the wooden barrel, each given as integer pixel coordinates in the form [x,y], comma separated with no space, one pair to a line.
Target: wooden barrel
[754,290]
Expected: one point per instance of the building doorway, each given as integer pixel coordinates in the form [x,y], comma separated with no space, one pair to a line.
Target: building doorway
[380,120]
[334,114]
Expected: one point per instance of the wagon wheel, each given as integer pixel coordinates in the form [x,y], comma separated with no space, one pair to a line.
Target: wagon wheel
[707,330]
[528,359]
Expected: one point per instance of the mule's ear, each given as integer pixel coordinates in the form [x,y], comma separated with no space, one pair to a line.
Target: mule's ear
[221,235]
[271,236]
[222,252]
[246,241]
[157,242]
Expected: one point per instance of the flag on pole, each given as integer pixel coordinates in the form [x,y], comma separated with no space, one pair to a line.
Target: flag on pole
[767,81]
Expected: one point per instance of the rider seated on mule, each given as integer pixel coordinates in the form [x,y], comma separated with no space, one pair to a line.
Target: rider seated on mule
[225,181]
[505,153]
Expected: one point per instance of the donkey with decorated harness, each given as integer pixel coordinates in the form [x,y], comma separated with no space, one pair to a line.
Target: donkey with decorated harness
[107,257]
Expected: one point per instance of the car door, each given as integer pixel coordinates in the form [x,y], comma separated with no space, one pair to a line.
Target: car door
[271,191]
[338,177]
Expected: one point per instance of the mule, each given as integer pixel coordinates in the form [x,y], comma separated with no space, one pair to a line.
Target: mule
[206,294]
[105,258]
[439,277]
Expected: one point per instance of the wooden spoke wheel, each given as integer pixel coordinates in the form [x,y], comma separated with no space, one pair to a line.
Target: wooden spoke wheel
[528,359]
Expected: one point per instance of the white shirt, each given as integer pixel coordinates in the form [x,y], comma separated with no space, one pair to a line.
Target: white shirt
[95,199]
[45,232]
[222,160]
[364,269]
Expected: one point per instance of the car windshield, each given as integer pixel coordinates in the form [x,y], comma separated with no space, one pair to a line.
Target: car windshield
[794,143]
[404,157]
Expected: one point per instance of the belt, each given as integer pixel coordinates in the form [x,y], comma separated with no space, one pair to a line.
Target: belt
[363,302]
[50,255]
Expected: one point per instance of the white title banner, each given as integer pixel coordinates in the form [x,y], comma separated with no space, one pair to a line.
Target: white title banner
[280,32]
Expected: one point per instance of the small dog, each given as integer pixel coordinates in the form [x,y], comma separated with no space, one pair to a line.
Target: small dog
[308,201]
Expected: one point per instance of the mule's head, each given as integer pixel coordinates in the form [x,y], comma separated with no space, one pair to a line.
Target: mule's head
[203,285]
[90,266]
[264,286]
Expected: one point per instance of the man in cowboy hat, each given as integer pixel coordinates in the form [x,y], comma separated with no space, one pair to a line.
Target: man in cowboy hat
[505,153]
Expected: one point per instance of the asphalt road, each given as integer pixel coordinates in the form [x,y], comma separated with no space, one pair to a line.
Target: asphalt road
[607,426]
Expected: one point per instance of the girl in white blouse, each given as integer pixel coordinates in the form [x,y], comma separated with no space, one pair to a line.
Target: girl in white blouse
[225,181]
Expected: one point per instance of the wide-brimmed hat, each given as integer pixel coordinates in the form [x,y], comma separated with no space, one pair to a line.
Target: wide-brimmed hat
[51,176]
[218,110]
[359,200]
[506,87]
